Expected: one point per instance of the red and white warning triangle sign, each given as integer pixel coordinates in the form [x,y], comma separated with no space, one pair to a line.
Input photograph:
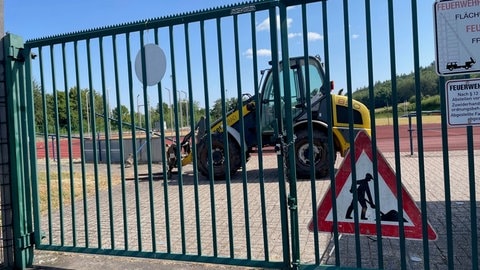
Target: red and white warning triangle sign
[366,198]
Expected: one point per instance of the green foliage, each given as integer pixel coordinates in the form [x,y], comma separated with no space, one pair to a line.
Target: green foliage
[431,103]
[123,114]
[62,114]
[406,88]
[55,113]
[168,114]
[216,110]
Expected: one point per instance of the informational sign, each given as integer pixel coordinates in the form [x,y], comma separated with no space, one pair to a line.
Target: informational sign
[463,102]
[366,204]
[457,36]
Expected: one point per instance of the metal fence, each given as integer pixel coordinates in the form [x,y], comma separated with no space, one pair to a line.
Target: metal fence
[86,88]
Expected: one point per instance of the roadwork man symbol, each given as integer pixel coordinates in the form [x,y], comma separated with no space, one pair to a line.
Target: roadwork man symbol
[362,190]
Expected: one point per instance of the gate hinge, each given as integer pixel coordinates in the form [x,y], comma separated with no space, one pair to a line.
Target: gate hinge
[26,241]
[292,203]
[17,54]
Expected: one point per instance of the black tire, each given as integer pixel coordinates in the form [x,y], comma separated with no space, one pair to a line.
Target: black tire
[218,156]
[302,154]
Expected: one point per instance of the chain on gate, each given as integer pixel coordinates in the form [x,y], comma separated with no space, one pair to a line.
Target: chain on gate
[281,148]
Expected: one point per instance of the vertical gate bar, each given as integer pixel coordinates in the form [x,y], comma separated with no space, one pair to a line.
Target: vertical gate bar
[164,157]
[69,135]
[120,140]
[242,137]
[373,128]
[163,144]
[330,137]
[292,200]
[146,107]
[192,128]
[194,144]
[33,155]
[308,101]
[224,124]
[396,141]
[106,123]
[93,126]
[82,142]
[258,103]
[313,181]
[224,112]
[446,174]
[166,207]
[421,155]
[211,182]
[473,200]
[278,129]
[57,136]
[208,132]
[134,142]
[134,139]
[177,138]
[33,199]
[45,145]
[351,133]
[292,196]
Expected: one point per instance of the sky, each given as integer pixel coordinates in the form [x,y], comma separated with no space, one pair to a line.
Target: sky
[33,19]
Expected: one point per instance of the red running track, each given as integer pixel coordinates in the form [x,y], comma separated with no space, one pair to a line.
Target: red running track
[432,138]
[64,153]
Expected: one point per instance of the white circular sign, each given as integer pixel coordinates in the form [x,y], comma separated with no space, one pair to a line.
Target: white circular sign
[155,64]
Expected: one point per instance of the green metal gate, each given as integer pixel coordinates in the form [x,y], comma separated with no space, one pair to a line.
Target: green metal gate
[88,143]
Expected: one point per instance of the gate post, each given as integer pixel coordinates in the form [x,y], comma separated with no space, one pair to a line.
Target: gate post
[21,210]
[5,181]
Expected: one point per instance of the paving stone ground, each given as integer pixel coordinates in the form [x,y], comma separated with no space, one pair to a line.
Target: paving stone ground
[147,210]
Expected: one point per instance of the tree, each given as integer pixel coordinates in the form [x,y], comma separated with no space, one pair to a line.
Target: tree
[167,113]
[406,88]
[123,114]
[164,112]
[197,112]
[216,110]
[38,105]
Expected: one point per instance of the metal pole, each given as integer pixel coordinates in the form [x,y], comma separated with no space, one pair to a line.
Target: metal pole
[170,107]
[108,111]
[410,132]
[181,117]
[186,106]
[148,111]
[138,112]
[88,115]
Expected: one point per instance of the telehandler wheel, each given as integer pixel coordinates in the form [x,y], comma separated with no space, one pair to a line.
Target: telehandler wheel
[219,161]
[320,154]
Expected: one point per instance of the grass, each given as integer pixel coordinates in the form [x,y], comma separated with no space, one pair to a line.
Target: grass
[383,116]
[426,119]
[49,191]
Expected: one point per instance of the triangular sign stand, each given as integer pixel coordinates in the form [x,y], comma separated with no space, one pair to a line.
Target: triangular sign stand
[366,204]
